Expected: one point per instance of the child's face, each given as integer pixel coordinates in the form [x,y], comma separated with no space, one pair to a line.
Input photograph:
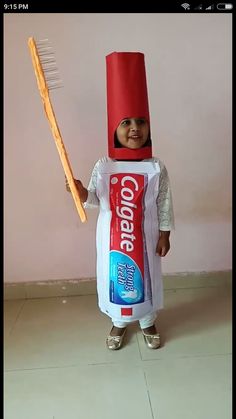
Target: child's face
[133,132]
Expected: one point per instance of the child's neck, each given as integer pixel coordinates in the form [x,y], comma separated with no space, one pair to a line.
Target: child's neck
[129,160]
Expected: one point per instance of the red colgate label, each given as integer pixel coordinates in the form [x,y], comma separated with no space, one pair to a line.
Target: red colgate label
[126,228]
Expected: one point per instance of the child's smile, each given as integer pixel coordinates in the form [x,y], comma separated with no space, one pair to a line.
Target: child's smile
[133,132]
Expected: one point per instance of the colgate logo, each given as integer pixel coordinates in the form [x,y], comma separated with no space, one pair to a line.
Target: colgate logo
[126,203]
[126,213]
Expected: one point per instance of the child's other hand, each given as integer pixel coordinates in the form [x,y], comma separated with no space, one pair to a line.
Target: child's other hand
[163,244]
[83,193]
[78,185]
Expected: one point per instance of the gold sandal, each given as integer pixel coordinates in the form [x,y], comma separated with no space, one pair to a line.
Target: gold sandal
[115,342]
[152,341]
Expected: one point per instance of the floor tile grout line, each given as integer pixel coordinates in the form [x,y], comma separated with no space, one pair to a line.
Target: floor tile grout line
[137,340]
[17,317]
[222,286]
[69,366]
[149,398]
[42,368]
[176,357]
[94,364]
[141,362]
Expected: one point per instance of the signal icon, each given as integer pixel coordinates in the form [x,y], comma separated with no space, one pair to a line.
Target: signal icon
[186,6]
[210,7]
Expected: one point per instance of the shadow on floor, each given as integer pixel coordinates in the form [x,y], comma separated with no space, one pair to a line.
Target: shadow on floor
[201,313]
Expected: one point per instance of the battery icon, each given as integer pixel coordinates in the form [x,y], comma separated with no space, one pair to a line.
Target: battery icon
[224,6]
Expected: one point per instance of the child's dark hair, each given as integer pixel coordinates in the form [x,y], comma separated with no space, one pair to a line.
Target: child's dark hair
[117,144]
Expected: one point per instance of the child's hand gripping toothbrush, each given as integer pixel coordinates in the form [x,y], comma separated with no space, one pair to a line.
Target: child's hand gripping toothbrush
[47,79]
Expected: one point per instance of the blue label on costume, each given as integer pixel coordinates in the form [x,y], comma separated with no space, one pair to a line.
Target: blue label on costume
[126,281]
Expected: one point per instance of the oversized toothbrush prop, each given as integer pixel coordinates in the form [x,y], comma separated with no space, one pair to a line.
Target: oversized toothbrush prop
[47,78]
[128,269]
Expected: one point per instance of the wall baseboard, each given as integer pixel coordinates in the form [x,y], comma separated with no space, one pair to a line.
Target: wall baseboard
[87,286]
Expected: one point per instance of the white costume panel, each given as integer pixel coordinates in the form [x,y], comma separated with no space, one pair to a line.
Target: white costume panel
[129,280]
[164,202]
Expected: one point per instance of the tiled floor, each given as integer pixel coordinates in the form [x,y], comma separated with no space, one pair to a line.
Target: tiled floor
[57,365]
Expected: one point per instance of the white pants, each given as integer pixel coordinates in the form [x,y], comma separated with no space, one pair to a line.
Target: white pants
[145,322]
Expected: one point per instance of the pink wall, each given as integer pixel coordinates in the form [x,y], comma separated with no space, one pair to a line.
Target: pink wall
[188,61]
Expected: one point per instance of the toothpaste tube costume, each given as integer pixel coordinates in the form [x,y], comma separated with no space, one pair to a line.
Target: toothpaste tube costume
[129,281]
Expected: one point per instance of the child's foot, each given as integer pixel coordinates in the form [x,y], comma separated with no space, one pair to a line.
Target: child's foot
[115,338]
[151,330]
[151,337]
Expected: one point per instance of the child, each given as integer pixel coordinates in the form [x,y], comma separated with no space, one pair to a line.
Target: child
[126,185]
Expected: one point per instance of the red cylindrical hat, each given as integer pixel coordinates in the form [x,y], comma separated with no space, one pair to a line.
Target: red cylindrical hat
[126,98]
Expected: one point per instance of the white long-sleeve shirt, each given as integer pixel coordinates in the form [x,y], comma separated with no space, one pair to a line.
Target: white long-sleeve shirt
[164,198]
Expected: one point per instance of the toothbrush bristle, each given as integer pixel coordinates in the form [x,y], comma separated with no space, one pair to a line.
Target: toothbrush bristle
[48,62]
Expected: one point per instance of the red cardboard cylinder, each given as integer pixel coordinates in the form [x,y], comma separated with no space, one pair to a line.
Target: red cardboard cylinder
[126,98]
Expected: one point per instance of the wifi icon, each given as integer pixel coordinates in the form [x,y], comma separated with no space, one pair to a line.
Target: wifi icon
[186,6]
